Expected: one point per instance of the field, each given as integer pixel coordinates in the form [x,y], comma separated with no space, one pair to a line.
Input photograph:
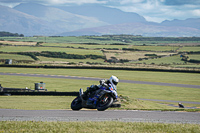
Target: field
[15,57]
[97,127]
[109,51]
[112,51]
[118,51]
[131,91]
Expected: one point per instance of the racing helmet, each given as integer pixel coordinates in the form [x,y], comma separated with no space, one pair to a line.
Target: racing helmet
[114,81]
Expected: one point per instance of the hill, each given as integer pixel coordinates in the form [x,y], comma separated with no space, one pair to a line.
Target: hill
[59,19]
[36,19]
[144,29]
[106,14]
[17,22]
[190,22]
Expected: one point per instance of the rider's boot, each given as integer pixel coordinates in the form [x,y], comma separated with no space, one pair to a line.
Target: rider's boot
[85,95]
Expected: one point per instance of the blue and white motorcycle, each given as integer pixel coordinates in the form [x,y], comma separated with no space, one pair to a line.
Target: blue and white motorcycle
[102,99]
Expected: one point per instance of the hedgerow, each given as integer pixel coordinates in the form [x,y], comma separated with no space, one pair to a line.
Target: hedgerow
[59,55]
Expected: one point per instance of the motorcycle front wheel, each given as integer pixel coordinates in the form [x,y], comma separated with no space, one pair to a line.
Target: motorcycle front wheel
[76,104]
[105,102]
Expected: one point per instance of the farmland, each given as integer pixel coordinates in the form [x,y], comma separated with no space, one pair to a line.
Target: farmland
[118,51]
[104,51]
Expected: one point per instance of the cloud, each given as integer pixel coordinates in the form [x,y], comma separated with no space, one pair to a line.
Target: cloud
[152,10]
[196,12]
[160,10]
[12,3]
[181,2]
[130,1]
[54,1]
[79,2]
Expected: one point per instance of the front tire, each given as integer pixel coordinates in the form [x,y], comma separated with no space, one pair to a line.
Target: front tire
[105,102]
[76,104]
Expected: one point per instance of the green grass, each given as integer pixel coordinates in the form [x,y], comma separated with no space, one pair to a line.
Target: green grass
[64,102]
[188,66]
[97,127]
[15,57]
[159,92]
[194,56]
[162,43]
[52,49]
[35,102]
[186,105]
[132,55]
[67,39]
[165,77]
[52,84]
[165,60]
[188,49]
[133,91]
[78,45]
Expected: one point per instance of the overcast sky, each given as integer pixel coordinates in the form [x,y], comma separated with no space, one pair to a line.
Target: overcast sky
[152,10]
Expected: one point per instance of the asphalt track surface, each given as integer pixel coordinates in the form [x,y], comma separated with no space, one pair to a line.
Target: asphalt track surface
[94,115]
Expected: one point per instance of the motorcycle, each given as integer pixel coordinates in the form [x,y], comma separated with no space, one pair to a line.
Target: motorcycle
[102,99]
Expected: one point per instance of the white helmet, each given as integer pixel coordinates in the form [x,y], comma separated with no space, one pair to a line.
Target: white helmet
[114,81]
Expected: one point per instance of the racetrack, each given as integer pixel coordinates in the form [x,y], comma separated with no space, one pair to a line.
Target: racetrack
[94,115]
[123,81]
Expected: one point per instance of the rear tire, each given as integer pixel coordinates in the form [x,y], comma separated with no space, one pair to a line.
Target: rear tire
[76,104]
[104,104]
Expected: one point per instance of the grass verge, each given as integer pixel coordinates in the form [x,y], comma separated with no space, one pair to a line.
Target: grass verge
[35,102]
[97,127]
[64,102]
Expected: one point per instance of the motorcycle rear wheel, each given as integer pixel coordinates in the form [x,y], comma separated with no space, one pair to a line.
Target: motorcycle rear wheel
[76,104]
[105,102]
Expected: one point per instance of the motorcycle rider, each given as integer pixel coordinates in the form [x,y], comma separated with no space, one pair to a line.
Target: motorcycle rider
[112,82]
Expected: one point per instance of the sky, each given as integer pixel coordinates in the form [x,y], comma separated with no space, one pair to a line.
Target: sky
[151,10]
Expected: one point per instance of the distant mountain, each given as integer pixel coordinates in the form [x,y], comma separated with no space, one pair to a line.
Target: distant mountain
[18,22]
[102,13]
[144,29]
[59,19]
[35,19]
[191,22]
